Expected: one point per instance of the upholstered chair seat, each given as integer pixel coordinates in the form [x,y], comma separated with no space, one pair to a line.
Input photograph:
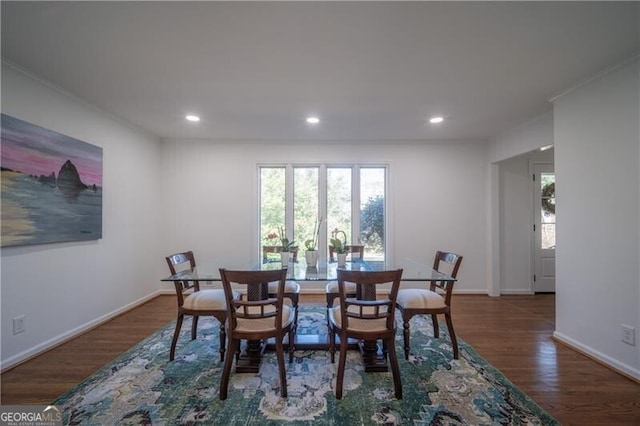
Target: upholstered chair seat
[264,324]
[332,288]
[356,324]
[206,299]
[414,298]
[289,287]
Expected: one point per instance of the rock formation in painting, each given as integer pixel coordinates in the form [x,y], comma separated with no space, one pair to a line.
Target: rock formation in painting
[69,182]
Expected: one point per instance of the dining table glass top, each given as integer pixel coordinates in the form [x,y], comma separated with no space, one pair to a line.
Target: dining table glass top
[413,270]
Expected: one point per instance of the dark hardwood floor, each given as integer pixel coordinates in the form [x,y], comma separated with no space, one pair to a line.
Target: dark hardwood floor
[513,333]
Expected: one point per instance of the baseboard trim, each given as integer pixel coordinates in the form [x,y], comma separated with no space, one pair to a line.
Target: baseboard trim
[620,368]
[516,292]
[24,356]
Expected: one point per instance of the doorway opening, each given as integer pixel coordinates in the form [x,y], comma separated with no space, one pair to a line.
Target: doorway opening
[544,229]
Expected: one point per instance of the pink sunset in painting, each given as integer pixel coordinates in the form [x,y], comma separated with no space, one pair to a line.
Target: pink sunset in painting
[36,151]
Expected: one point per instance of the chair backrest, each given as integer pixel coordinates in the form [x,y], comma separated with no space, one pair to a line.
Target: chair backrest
[353,249]
[179,262]
[277,249]
[447,263]
[256,305]
[369,303]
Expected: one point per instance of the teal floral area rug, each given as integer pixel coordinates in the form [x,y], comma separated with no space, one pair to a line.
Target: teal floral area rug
[142,387]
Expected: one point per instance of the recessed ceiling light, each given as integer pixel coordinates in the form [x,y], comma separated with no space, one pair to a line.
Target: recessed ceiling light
[546,147]
[313,120]
[435,120]
[192,118]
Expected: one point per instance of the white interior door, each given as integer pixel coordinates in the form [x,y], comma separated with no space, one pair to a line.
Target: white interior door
[544,201]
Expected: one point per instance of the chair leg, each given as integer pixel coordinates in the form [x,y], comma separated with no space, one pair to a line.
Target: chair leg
[223,341]
[194,327]
[292,339]
[281,368]
[406,333]
[295,300]
[294,328]
[341,365]
[332,343]
[452,334]
[395,369]
[329,306]
[436,327]
[385,350]
[226,371]
[176,333]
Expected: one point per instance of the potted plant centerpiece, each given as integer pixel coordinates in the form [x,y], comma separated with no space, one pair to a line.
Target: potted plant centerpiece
[339,246]
[287,247]
[311,255]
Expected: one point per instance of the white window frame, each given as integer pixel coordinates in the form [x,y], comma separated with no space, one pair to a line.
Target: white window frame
[322,203]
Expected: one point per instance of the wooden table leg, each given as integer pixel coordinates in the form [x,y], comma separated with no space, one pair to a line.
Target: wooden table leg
[373,359]
[251,357]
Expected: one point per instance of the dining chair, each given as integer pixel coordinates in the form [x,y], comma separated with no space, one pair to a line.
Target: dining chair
[370,316]
[292,293]
[291,288]
[436,300]
[256,317]
[195,302]
[331,289]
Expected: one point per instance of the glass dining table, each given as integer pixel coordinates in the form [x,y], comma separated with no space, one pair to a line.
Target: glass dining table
[413,270]
[373,359]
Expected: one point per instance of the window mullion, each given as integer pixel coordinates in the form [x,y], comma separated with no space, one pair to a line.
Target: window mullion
[322,211]
[288,196]
[355,205]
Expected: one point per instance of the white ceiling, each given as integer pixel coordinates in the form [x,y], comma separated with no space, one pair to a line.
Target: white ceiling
[369,70]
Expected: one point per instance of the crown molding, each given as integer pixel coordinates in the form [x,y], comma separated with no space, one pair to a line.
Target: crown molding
[597,76]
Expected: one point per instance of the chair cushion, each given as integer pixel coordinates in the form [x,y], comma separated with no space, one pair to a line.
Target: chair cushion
[289,287]
[332,287]
[265,324]
[415,298]
[207,300]
[356,324]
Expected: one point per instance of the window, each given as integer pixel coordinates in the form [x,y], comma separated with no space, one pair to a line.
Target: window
[548,211]
[293,199]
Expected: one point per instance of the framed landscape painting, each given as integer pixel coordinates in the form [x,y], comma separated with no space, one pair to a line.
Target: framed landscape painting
[51,186]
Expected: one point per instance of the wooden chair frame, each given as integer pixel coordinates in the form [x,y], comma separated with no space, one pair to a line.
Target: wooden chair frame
[184,289]
[445,289]
[259,310]
[366,307]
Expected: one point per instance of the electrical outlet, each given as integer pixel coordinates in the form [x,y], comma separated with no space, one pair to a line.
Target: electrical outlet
[628,334]
[19,324]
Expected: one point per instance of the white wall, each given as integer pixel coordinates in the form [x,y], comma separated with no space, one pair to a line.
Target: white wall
[66,287]
[526,138]
[597,159]
[437,194]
